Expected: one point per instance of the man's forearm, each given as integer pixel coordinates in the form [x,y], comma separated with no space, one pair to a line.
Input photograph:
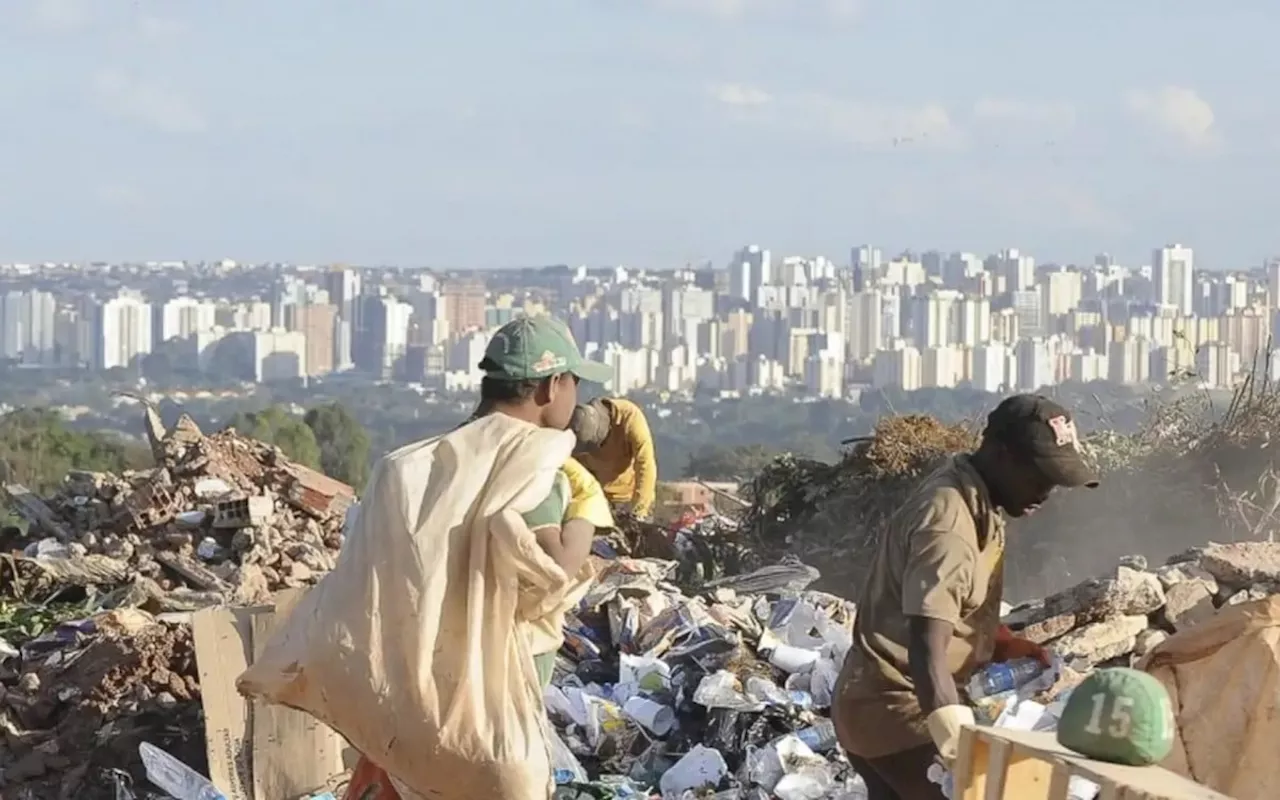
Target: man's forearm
[927,641]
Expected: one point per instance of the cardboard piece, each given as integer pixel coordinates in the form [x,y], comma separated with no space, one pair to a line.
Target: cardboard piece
[257,751]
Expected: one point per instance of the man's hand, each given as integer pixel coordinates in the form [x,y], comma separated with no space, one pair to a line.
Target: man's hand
[1009,647]
[945,725]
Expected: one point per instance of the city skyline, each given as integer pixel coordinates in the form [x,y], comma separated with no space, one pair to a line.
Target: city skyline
[768,323]
[651,133]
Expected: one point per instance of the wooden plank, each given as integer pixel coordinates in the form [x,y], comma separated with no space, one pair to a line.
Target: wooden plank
[222,653]
[293,752]
[1027,775]
[256,751]
[1156,783]
[971,767]
[1060,782]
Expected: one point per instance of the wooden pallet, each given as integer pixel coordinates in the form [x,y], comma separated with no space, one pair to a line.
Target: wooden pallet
[1003,764]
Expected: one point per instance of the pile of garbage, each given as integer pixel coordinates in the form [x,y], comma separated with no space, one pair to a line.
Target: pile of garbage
[77,702]
[729,690]
[221,518]
[725,690]
[703,660]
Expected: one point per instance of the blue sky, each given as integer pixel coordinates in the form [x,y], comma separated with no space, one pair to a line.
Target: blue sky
[650,132]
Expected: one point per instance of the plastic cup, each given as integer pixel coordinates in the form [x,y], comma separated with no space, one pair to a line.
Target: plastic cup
[792,659]
[653,717]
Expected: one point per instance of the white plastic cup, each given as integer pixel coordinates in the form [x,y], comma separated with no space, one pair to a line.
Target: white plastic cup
[793,659]
[654,717]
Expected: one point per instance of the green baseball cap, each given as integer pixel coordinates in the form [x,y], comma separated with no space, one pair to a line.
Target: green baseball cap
[1119,715]
[532,348]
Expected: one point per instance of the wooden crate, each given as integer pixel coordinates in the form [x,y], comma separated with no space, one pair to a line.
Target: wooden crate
[1003,764]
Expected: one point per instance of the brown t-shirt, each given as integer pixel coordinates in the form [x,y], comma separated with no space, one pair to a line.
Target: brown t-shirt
[941,556]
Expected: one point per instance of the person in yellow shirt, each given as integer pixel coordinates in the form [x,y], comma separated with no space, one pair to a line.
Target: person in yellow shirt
[615,445]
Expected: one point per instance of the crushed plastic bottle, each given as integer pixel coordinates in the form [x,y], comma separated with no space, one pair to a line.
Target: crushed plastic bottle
[994,679]
[820,737]
[171,775]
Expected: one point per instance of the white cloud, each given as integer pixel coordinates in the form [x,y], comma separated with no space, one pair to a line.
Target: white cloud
[152,105]
[740,95]
[1004,110]
[61,15]
[1178,111]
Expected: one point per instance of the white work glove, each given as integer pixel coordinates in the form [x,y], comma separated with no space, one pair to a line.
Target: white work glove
[944,726]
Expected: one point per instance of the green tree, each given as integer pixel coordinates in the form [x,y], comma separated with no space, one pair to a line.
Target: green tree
[737,463]
[274,425]
[38,448]
[344,443]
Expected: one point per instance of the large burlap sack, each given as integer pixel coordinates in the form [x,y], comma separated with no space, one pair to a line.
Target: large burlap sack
[1223,676]
[415,647]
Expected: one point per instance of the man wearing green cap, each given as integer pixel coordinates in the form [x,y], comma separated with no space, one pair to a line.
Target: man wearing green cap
[531,371]
[929,613]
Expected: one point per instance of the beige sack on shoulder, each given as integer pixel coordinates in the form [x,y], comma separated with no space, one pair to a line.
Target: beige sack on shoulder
[414,648]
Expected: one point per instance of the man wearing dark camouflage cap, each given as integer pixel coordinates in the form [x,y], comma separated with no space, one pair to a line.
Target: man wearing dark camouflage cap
[929,613]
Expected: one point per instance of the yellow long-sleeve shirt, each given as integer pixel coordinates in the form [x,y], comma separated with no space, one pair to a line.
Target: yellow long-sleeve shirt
[625,464]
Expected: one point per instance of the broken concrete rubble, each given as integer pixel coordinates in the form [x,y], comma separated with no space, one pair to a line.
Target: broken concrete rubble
[1109,621]
[220,518]
[1243,563]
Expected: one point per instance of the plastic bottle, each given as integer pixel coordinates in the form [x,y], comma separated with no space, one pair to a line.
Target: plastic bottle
[171,775]
[819,737]
[996,678]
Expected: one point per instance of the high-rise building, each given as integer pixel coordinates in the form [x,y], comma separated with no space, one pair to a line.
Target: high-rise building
[27,327]
[317,322]
[464,302]
[865,333]
[751,268]
[183,316]
[122,331]
[1172,279]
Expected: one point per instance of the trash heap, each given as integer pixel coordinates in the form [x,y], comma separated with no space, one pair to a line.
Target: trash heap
[221,518]
[702,660]
[726,690]
[77,701]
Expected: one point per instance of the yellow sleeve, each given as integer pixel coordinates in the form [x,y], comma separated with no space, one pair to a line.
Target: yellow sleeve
[586,498]
[645,464]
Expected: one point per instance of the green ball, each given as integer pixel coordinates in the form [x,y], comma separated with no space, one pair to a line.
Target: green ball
[1119,715]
